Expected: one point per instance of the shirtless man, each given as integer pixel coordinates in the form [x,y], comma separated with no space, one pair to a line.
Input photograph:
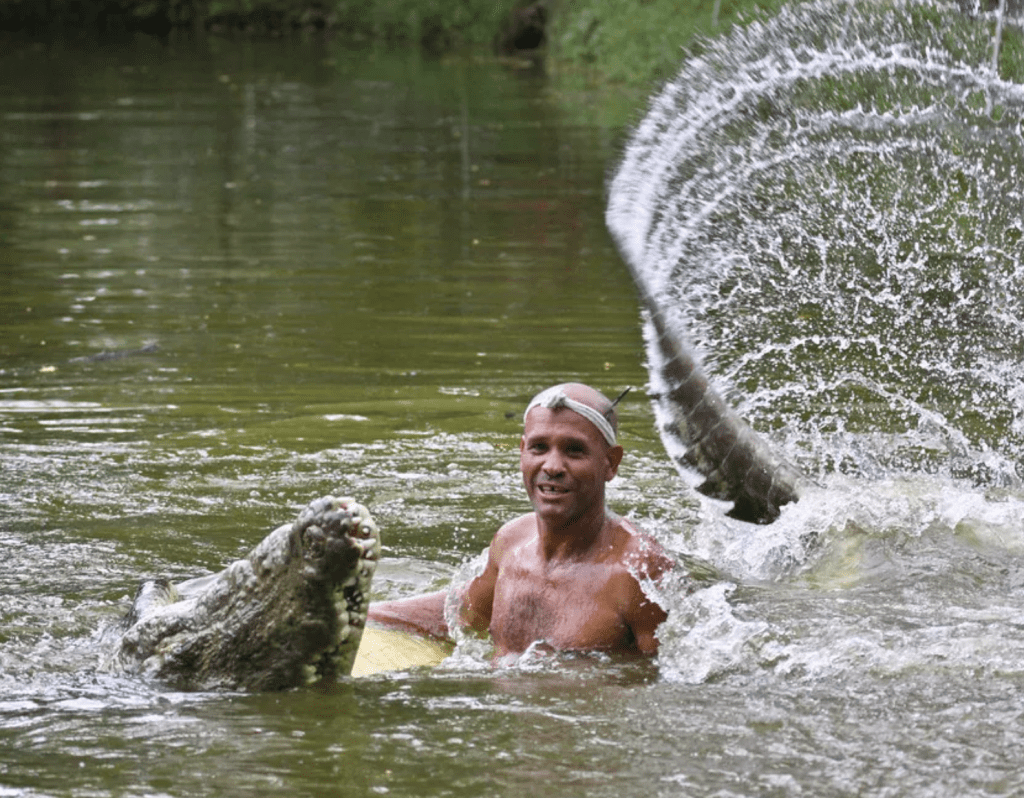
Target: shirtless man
[565,574]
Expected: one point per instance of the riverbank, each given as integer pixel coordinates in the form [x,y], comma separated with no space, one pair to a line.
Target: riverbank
[624,42]
[639,43]
[437,24]
[625,50]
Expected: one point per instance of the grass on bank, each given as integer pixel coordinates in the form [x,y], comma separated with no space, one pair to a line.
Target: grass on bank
[640,42]
[626,41]
[439,24]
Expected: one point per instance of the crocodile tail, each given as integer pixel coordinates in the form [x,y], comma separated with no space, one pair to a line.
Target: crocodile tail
[736,463]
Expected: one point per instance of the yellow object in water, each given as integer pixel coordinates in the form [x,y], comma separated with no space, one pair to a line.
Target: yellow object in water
[383,650]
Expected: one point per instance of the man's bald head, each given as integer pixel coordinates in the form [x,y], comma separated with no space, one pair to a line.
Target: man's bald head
[584,400]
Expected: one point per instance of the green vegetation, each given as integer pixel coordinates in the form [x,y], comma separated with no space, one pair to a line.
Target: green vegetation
[434,23]
[637,42]
[625,46]
[625,41]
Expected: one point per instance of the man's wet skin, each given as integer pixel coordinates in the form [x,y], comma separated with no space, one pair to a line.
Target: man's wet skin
[569,573]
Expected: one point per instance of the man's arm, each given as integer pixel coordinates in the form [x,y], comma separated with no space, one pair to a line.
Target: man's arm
[644,615]
[425,614]
[419,614]
[477,602]
[644,621]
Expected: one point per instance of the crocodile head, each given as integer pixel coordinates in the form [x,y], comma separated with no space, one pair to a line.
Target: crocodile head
[290,613]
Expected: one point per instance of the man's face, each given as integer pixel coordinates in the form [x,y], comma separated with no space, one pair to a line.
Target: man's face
[565,462]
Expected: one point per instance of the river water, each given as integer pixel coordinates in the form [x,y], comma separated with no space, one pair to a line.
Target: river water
[349,270]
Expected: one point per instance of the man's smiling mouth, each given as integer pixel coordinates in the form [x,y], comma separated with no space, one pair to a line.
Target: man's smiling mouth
[552,490]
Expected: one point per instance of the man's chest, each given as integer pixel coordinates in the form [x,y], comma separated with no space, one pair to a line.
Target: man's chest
[572,608]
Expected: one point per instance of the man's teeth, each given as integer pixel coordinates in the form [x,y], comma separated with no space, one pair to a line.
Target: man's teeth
[551,489]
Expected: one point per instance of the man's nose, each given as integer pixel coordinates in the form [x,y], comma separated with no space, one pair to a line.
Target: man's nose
[554,463]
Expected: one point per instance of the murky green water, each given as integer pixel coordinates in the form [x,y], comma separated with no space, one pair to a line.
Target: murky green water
[330,249]
[356,267]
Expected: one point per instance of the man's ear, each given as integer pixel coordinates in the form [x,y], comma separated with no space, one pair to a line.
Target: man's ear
[614,456]
[522,443]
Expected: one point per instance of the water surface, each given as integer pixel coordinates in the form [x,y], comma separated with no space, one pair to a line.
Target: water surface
[349,270]
[357,266]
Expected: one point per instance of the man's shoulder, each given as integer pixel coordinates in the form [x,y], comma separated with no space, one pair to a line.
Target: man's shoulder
[513,533]
[518,527]
[642,552]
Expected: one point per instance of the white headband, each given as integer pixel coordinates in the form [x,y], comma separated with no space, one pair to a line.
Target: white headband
[553,398]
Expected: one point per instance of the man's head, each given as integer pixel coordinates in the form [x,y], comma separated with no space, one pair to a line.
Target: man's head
[588,402]
[568,452]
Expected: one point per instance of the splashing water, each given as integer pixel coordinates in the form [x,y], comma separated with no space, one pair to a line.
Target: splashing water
[828,207]
[829,204]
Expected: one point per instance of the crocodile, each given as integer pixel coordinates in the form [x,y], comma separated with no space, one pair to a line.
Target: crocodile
[292,612]
[289,614]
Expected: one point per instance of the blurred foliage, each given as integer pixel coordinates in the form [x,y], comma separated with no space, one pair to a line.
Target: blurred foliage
[630,47]
[627,47]
[641,41]
[435,23]
[626,42]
